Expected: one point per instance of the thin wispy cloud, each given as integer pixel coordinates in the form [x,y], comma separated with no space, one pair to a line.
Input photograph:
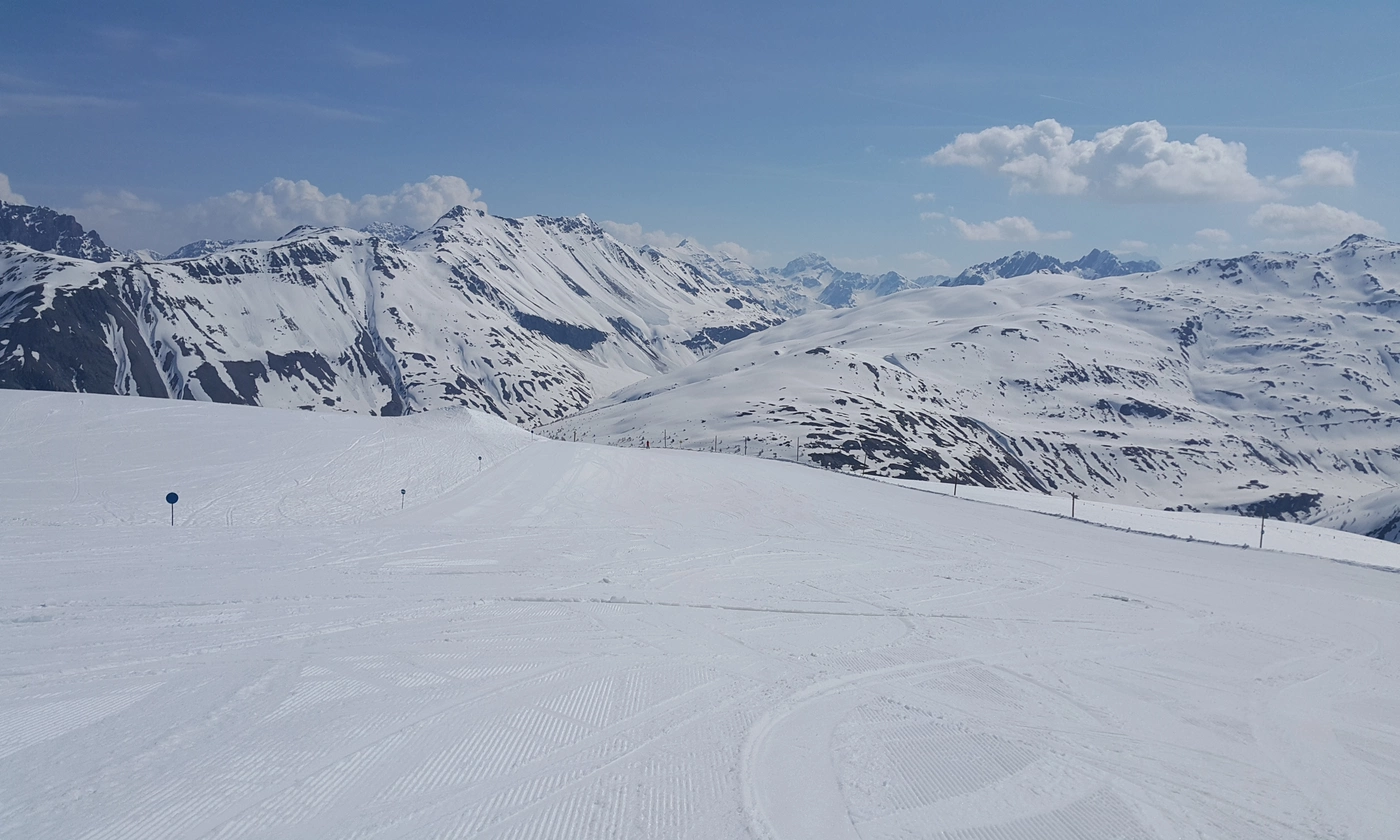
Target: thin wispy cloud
[12,103]
[126,39]
[363,58]
[1372,80]
[13,81]
[288,105]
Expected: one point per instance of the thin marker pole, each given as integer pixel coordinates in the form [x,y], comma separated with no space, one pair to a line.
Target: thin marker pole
[1072,499]
[1261,531]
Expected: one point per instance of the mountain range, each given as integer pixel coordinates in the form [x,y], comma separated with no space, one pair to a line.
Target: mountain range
[1262,385]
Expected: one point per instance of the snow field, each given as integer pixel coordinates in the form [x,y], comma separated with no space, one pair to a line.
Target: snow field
[584,641]
[1243,531]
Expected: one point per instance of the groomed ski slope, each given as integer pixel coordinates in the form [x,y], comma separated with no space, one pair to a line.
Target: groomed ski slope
[573,641]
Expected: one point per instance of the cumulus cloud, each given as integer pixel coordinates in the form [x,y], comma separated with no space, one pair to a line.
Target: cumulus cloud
[1006,229]
[1214,236]
[925,196]
[635,235]
[7,194]
[860,265]
[127,220]
[1134,162]
[739,252]
[923,261]
[1209,242]
[281,204]
[1288,225]
[1324,167]
[639,237]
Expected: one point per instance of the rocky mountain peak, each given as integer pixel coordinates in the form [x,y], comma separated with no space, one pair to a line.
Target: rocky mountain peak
[48,230]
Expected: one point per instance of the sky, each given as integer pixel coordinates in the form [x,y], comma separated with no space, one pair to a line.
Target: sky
[919,137]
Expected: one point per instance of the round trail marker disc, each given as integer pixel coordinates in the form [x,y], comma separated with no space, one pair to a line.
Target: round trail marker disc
[172,498]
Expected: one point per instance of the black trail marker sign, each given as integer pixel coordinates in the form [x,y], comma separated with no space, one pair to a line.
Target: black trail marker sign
[171,499]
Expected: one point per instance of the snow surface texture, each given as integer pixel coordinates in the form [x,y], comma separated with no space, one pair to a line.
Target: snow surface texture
[583,641]
[1262,385]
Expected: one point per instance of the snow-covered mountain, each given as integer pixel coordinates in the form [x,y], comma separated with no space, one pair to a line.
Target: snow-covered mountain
[811,283]
[1260,385]
[1092,266]
[48,230]
[390,231]
[201,248]
[1265,384]
[527,318]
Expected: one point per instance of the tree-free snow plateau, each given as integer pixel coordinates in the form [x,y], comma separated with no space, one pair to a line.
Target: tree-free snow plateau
[552,640]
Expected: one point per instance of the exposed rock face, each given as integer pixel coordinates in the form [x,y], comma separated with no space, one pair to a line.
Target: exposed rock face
[48,230]
[527,318]
[1265,385]
[1091,266]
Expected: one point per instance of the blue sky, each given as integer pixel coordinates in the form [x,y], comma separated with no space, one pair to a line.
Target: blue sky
[918,137]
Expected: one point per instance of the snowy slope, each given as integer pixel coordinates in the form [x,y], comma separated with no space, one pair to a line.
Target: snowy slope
[811,283]
[590,642]
[525,318]
[1264,384]
[1375,515]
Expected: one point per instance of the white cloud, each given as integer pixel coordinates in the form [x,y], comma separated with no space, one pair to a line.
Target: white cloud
[1007,229]
[7,194]
[126,220]
[923,262]
[288,105]
[124,39]
[363,58]
[1209,242]
[1126,163]
[1324,167]
[117,215]
[925,196]
[739,252]
[1214,237]
[281,205]
[638,237]
[860,265]
[54,103]
[1287,225]
[633,234]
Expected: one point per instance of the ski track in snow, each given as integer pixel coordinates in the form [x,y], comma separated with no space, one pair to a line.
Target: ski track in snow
[575,641]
